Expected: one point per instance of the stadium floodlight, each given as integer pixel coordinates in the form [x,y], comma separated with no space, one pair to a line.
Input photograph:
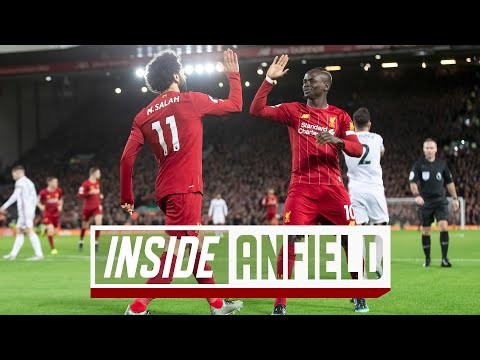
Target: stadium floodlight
[220,84]
[264,64]
[468,60]
[247,83]
[118,90]
[48,78]
[304,61]
[209,68]
[424,64]
[389,65]
[219,67]
[144,89]
[140,72]
[260,71]
[188,69]
[199,69]
[448,62]
[378,56]
[333,68]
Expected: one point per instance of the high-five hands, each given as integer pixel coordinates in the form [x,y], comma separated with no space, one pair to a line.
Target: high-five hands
[230,62]
[277,69]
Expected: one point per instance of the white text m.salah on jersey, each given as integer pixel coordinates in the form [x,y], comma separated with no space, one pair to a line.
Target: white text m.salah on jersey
[365,174]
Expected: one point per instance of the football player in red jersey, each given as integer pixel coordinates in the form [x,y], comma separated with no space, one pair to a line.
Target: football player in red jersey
[92,207]
[50,202]
[317,130]
[172,126]
[270,202]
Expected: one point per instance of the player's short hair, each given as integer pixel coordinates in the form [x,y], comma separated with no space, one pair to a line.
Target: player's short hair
[361,117]
[50,178]
[18,167]
[429,140]
[93,169]
[160,70]
[325,73]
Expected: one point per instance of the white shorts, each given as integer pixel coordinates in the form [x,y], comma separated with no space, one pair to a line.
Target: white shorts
[25,219]
[370,208]
[218,220]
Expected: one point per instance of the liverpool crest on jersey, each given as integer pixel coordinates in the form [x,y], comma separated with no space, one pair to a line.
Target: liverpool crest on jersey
[331,121]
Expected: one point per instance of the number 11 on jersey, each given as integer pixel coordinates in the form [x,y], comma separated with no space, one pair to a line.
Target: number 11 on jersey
[170,120]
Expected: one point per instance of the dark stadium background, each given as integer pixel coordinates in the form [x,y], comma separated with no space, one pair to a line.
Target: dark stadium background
[76,119]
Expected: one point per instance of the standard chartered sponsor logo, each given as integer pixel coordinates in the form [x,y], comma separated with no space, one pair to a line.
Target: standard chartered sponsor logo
[310,129]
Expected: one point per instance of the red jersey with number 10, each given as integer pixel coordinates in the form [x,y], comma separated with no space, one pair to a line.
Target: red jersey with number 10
[311,164]
[172,126]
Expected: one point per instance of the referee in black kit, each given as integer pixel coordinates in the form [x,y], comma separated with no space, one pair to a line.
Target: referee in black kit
[433,174]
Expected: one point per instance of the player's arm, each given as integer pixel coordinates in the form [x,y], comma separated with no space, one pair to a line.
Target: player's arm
[382,148]
[207,105]
[81,192]
[413,178]
[447,175]
[132,148]
[39,203]
[60,201]
[14,197]
[347,141]
[259,106]
[225,209]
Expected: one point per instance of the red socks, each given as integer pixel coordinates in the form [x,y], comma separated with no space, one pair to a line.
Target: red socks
[214,302]
[291,261]
[140,304]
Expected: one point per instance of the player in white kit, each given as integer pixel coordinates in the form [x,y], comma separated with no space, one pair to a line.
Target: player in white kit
[218,211]
[26,197]
[365,183]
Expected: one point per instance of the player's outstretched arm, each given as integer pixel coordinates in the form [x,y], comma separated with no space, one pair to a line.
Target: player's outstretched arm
[259,106]
[207,105]
[11,199]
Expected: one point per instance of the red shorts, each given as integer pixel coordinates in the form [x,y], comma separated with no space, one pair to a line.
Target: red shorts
[88,213]
[182,209]
[313,205]
[271,216]
[48,219]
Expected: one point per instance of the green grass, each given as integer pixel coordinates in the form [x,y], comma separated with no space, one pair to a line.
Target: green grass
[60,284]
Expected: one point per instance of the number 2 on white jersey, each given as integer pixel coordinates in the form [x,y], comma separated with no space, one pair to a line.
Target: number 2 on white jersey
[173,128]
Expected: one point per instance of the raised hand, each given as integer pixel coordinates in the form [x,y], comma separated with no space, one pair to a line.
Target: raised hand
[276,70]
[230,62]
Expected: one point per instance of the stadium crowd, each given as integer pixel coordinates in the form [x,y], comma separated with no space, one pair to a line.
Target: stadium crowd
[244,156]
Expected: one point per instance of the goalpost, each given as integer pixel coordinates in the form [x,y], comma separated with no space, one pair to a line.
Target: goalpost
[404,212]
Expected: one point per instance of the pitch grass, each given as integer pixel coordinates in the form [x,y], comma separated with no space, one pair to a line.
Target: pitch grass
[60,284]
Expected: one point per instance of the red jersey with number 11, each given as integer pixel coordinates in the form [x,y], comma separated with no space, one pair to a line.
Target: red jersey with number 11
[172,126]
